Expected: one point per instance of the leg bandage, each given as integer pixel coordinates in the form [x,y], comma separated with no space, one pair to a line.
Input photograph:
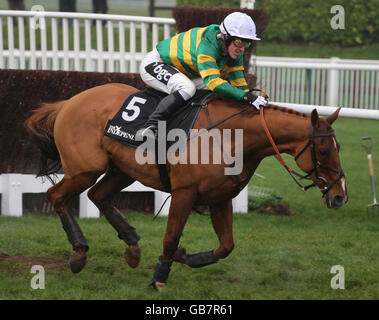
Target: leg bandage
[201,259]
[74,234]
[125,231]
[161,271]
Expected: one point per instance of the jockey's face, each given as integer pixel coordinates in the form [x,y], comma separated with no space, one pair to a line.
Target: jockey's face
[234,51]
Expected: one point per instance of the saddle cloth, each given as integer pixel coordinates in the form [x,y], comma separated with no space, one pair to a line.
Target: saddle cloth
[137,107]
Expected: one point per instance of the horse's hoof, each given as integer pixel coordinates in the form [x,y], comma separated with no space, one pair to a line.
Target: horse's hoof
[180,255]
[159,286]
[77,261]
[133,256]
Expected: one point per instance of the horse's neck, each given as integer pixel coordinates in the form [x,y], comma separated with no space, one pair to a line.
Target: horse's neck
[288,129]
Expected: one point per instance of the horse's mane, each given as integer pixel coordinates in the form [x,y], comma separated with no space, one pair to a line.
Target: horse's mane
[286,110]
[253,111]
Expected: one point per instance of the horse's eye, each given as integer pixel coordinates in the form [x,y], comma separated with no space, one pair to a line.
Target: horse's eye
[324,152]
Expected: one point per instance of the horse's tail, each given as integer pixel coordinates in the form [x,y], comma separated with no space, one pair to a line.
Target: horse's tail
[41,125]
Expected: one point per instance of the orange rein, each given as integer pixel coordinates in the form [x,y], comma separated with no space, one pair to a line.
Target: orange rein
[269,136]
[278,156]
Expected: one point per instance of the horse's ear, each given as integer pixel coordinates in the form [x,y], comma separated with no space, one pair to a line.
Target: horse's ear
[314,118]
[334,116]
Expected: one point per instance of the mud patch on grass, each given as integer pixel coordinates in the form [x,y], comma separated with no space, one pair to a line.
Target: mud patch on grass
[18,265]
[272,208]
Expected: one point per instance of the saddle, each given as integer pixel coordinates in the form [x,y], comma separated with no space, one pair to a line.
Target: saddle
[137,108]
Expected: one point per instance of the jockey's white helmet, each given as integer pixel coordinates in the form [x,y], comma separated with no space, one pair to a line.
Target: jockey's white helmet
[240,25]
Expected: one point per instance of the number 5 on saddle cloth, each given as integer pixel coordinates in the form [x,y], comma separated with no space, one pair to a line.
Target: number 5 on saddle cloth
[135,111]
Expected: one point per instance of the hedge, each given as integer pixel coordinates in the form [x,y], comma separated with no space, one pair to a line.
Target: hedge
[309,21]
[188,17]
[23,90]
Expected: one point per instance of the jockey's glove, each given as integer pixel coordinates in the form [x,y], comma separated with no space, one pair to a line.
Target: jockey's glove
[254,100]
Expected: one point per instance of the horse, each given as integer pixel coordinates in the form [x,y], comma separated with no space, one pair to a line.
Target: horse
[70,135]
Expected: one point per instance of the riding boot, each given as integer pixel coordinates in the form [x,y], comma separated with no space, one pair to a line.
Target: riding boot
[167,106]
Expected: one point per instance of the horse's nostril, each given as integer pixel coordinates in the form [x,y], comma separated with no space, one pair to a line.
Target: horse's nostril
[338,200]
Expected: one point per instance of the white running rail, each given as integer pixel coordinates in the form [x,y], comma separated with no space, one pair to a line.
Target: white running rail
[323,82]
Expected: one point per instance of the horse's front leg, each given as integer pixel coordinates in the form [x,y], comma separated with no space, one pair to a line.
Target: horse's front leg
[222,220]
[181,205]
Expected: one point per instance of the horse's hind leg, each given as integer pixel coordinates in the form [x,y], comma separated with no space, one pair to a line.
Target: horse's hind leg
[102,194]
[59,195]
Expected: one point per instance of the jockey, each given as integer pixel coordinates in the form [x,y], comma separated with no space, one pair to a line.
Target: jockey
[193,60]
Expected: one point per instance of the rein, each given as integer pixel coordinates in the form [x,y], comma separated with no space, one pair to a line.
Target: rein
[315,164]
[279,157]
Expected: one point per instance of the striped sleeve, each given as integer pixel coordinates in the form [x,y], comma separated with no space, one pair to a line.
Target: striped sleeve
[236,74]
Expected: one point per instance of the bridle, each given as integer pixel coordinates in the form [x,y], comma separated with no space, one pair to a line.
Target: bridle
[316,165]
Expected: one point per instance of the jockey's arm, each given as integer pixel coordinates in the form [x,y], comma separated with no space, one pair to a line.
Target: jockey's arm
[236,74]
[211,75]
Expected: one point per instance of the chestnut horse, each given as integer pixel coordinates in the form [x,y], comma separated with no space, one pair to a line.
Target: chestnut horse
[71,135]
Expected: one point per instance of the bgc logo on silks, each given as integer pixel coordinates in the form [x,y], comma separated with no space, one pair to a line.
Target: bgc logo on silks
[161,71]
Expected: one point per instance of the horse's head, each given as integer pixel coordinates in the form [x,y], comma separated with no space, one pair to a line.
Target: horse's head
[320,159]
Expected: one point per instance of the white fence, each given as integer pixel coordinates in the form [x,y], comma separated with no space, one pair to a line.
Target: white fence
[14,185]
[78,41]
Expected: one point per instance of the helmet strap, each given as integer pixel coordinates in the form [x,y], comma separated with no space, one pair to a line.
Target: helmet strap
[223,45]
[228,40]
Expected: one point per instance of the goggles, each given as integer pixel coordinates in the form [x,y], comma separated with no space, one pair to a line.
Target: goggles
[239,43]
